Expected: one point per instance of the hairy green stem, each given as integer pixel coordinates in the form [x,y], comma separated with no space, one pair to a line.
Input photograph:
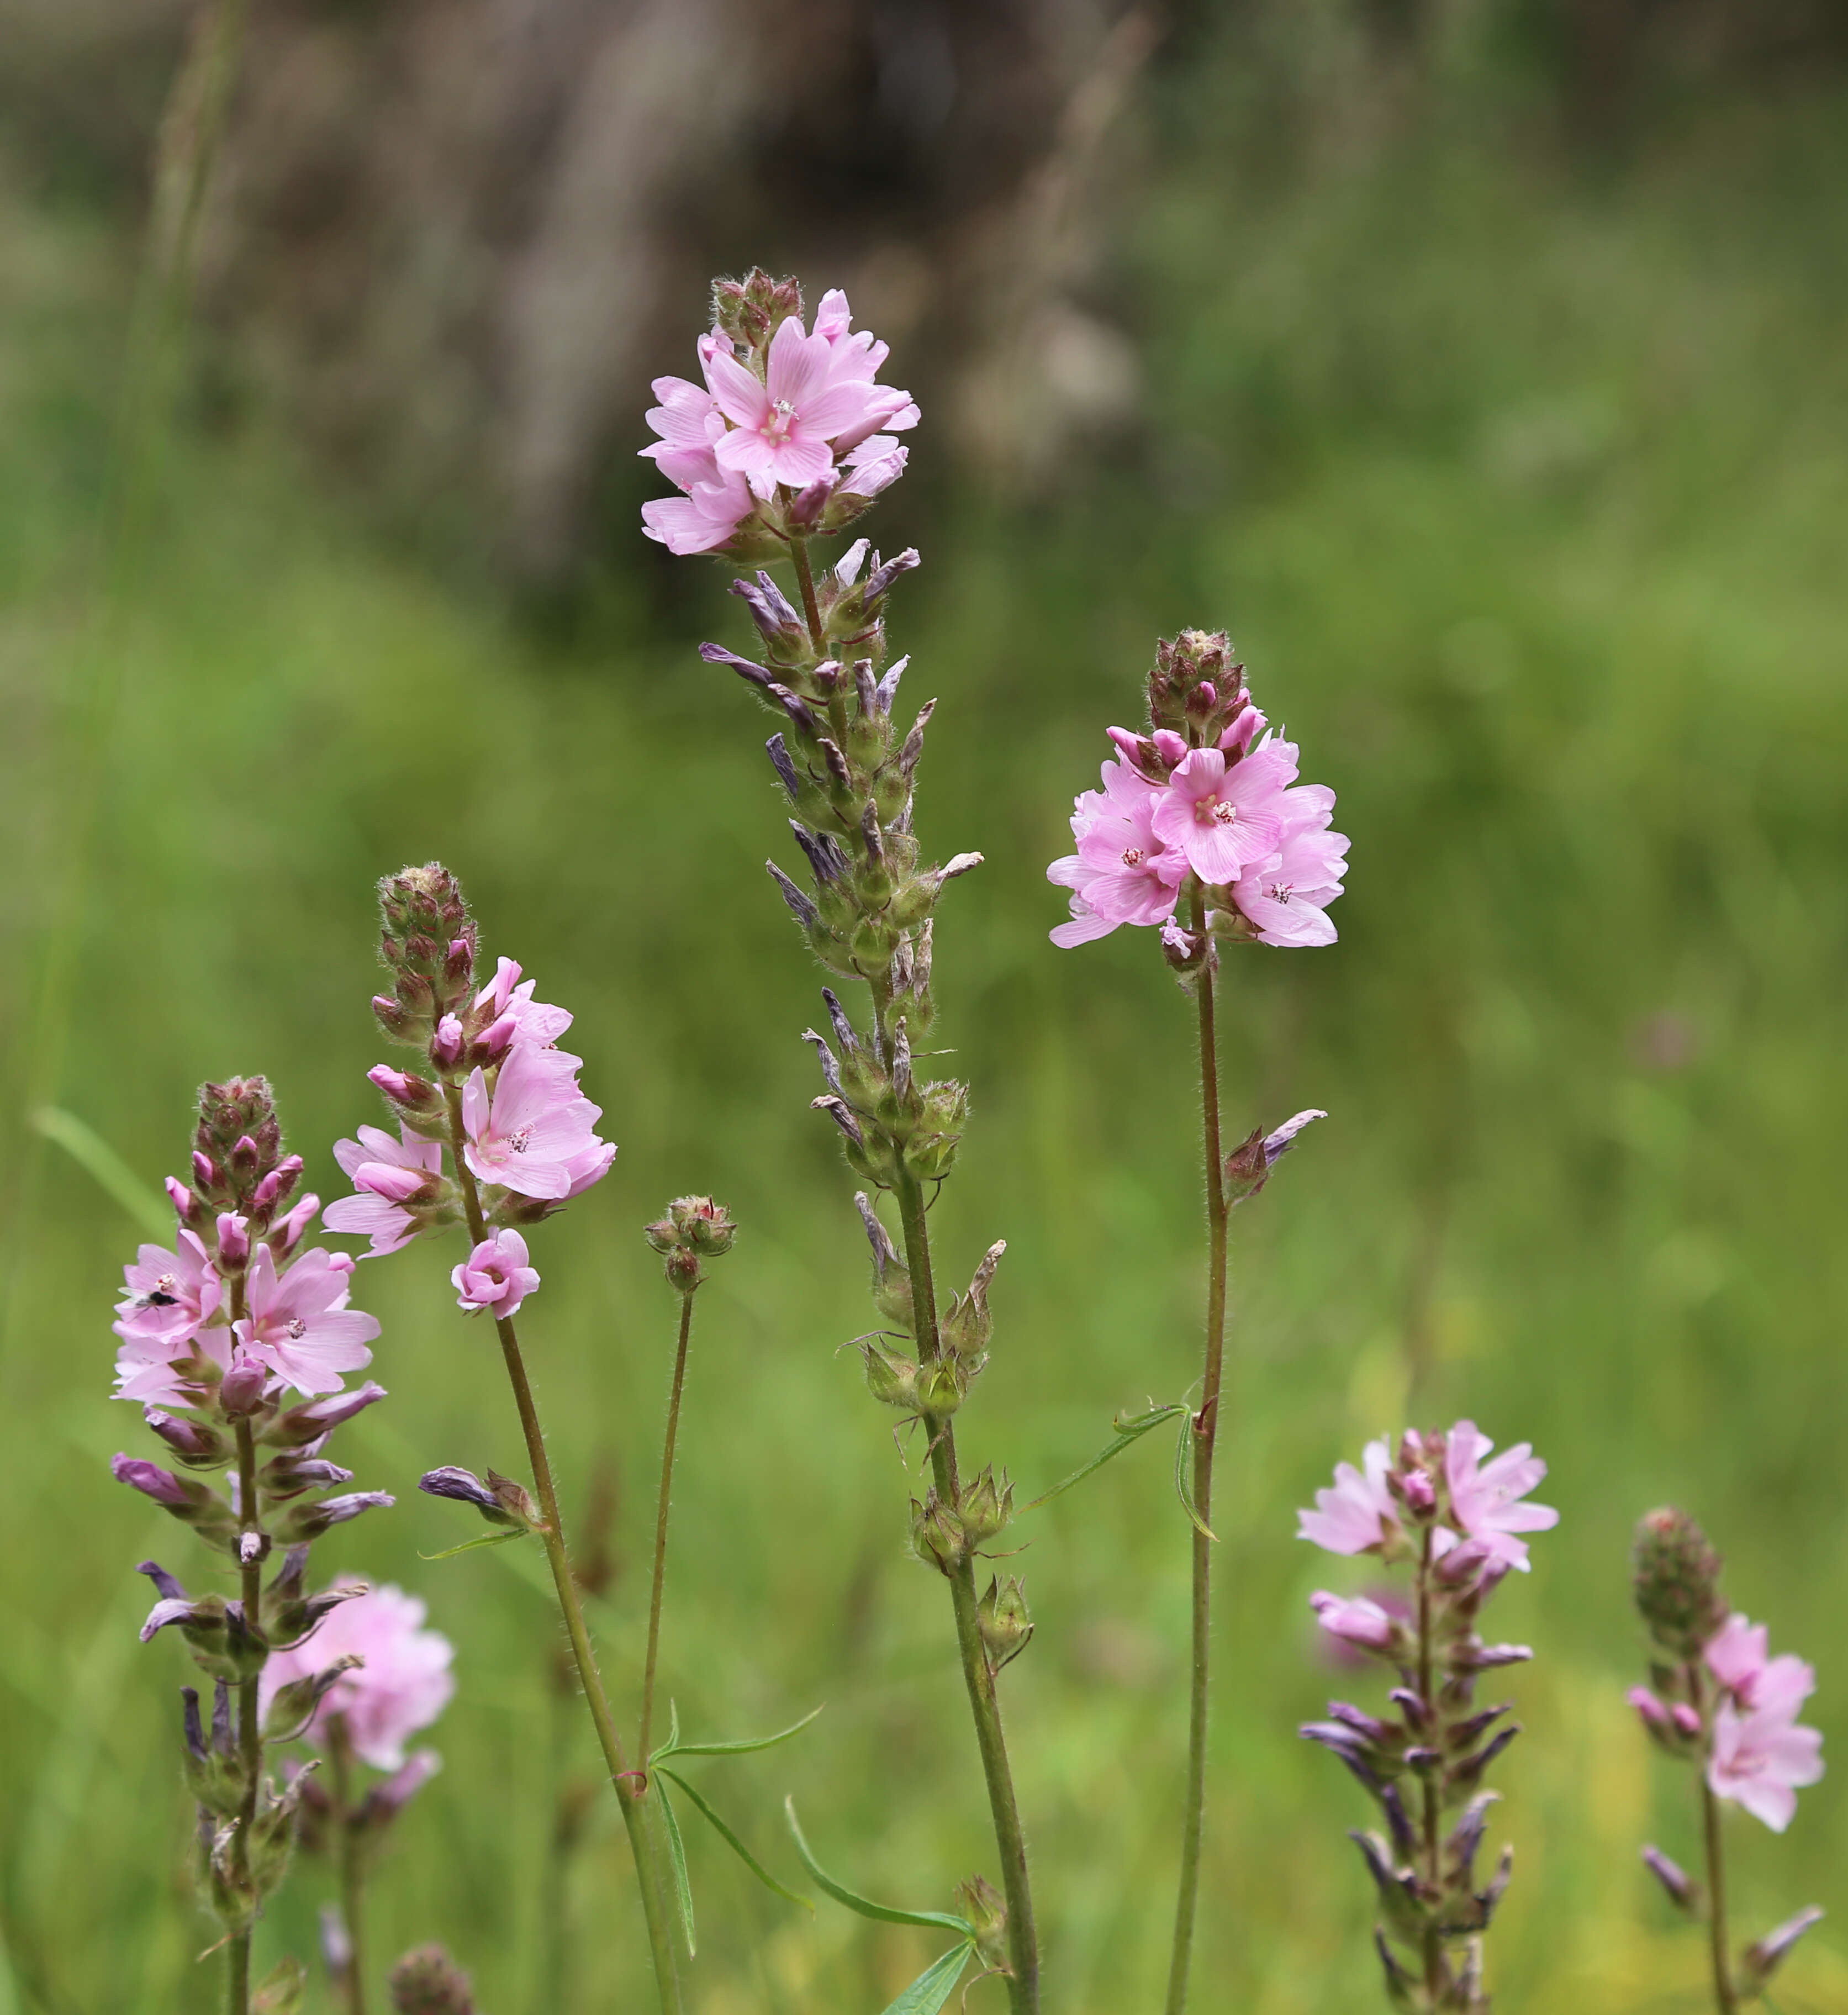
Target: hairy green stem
[631,1793]
[661,1517]
[349,1860]
[1205,1429]
[798,552]
[984,1705]
[1433,1945]
[250,1726]
[1725,1995]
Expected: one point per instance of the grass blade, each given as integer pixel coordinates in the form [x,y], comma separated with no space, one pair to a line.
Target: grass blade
[866,1908]
[737,1845]
[100,1161]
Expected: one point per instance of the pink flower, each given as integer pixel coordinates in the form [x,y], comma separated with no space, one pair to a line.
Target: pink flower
[385,1173]
[168,1296]
[1224,819]
[1739,1657]
[1286,895]
[404,1685]
[511,998]
[1356,1619]
[1654,1714]
[783,429]
[1123,872]
[300,1326]
[856,359]
[534,1135]
[495,1275]
[1762,1759]
[1358,1514]
[1483,1501]
[703,519]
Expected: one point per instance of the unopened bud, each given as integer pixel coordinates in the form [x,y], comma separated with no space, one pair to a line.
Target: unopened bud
[1005,1626]
[427,1982]
[241,1390]
[1763,1958]
[694,1227]
[1677,1586]
[980,1902]
[446,1045]
[943,1385]
[500,1499]
[309,1521]
[198,1446]
[413,1095]
[1683,1891]
[937,1535]
[234,1239]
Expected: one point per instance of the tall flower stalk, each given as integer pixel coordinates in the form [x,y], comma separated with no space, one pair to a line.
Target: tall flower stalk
[1201,818]
[1720,1700]
[498,1136]
[789,437]
[1458,1520]
[216,1333]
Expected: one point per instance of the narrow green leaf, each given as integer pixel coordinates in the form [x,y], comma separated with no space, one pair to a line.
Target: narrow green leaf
[737,1845]
[471,1546]
[866,1907]
[934,1985]
[100,1161]
[673,1730]
[1129,1433]
[676,1747]
[1182,1487]
[677,1855]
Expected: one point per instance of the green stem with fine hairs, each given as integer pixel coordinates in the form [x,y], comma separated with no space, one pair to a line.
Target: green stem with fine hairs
[1205,1430]
[630,1790]
[250,1726]
[660,1518]
[1434,1945]
[1725,1995]
[984,1705]
[349,1860]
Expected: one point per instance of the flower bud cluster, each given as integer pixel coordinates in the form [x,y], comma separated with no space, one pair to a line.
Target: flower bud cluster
[695,1228]
[427,1982]
[237,1341]
[1434,1502]
[1718,1699]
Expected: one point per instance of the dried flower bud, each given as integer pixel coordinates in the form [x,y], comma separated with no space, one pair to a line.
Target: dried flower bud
[967,1324]
[427,1982]
[891,1378]
[1677,1575]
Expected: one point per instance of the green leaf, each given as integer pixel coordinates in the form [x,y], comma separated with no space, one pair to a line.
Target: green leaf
[737,1845]
[676,1854]
[942,1919]
[934,1985]
[675,1746]
[1129,1433]
[99,1161]
[471,1546]
[1182,1487]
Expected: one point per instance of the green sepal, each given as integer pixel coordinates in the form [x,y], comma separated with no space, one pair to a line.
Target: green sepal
[883,1913]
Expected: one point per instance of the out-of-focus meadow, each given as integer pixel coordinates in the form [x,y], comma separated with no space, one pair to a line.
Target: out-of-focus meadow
[1517,465]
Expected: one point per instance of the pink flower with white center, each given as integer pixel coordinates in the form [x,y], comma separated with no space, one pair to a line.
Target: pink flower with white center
[1738,1656]
[1485,1500]
[783,429]
[300,1326]
[404,1684]
[1355,1619]
[168,1296]
[1762,1759]
[1358,1515]
[511,998]
[1287,894]
[153,1371]
[1224,818]
[495,1275]
[535,1134]
[385,1173]
[1123,872]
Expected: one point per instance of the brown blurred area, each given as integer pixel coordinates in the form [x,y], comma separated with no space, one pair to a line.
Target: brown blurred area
[450,240]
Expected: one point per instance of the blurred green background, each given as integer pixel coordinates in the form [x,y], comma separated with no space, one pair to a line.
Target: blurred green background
[1497,405]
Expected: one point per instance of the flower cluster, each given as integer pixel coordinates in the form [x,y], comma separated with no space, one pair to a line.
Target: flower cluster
[1208,799]
[1718,1699]
[499,1090]
[790,433]
[1436,1503]
[215,1334]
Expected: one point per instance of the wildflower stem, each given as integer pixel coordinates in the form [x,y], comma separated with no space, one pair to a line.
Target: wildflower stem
[1725,1999]
[630,1795]
[249,1726]
[1433,1946]
[350,1868]
[661,1516]
[1206,1427]
[1023,1942]
[798,552]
